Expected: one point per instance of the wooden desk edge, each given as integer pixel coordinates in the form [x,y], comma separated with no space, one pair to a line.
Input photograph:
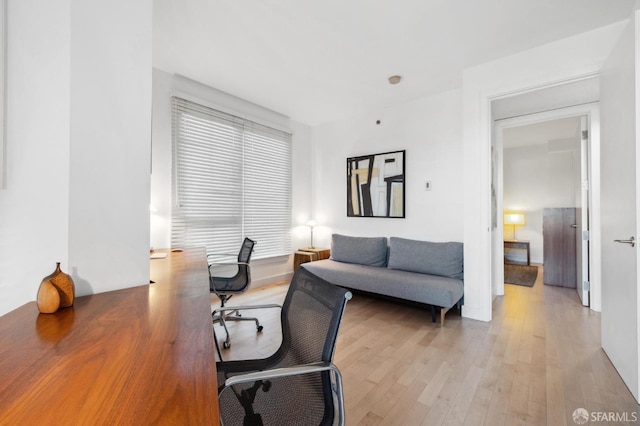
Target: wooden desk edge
[139,355]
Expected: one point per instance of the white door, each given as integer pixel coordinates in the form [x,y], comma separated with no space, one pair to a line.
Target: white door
[582,217]
[619,210]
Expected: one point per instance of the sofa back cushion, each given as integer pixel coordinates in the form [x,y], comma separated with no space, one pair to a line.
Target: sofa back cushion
[371,251]
[443,259]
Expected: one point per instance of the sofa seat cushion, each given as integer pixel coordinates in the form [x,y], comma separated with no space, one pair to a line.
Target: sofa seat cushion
[370,251]
[444,259]
[430,289]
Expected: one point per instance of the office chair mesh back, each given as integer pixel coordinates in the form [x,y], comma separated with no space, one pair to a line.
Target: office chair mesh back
[241,280]
[310,318]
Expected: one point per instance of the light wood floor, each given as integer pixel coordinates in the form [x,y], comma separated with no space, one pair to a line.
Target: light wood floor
[534,364]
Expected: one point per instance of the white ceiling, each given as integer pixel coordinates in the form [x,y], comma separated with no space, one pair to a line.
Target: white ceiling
[318,61]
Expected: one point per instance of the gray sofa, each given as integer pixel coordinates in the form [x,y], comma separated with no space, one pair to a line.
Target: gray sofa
[420,271]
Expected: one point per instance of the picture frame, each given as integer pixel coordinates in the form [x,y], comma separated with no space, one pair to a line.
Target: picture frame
[376,185]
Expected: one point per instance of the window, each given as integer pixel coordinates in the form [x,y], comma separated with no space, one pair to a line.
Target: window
[231,179]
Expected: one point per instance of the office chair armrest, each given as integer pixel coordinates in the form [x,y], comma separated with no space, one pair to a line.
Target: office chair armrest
[293,371]
[281,372]
[246,308]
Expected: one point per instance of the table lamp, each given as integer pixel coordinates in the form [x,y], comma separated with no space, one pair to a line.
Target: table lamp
[311,224]
[514,218]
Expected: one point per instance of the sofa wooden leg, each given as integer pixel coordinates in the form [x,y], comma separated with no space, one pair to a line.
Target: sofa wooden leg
[443,312]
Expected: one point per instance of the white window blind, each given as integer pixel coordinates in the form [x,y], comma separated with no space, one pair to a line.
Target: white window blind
[231,179]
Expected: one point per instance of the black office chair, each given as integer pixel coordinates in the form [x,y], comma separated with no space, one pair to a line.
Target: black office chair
[298,384]
[227,287]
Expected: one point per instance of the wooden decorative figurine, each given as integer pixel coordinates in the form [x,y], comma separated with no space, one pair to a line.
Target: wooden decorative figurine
[59,283]
[48,297]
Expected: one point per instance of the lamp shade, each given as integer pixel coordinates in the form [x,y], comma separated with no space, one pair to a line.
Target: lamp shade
[514,218]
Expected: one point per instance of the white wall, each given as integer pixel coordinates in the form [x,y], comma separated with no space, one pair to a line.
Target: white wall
[429,130]
[78,113]
[165,85]
[34,207]
[160,220]
[111,44]
[564,60]
[536,178]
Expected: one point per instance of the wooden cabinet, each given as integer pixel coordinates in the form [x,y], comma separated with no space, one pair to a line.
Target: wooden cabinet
[559,246]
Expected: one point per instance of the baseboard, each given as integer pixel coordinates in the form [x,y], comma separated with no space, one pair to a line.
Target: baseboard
[273,279]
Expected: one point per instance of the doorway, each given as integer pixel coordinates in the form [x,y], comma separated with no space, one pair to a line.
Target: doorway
[549,159]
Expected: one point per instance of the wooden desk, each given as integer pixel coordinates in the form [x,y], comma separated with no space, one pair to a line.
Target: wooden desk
[138,356]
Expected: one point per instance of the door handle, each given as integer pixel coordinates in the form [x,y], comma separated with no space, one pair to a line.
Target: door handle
[574,226]
[631,241]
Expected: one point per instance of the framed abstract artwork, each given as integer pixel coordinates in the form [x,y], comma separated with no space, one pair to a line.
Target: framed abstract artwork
[375,185]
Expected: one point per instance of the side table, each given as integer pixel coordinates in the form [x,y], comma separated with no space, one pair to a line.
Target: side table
[517,245]
[309,254]
[322,253]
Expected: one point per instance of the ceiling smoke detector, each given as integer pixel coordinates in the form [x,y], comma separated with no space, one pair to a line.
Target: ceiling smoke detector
[394,79]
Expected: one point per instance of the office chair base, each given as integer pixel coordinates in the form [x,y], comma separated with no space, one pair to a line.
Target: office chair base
[233,316]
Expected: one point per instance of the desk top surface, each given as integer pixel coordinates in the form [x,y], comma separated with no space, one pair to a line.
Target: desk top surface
[516,241]
[140,355]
